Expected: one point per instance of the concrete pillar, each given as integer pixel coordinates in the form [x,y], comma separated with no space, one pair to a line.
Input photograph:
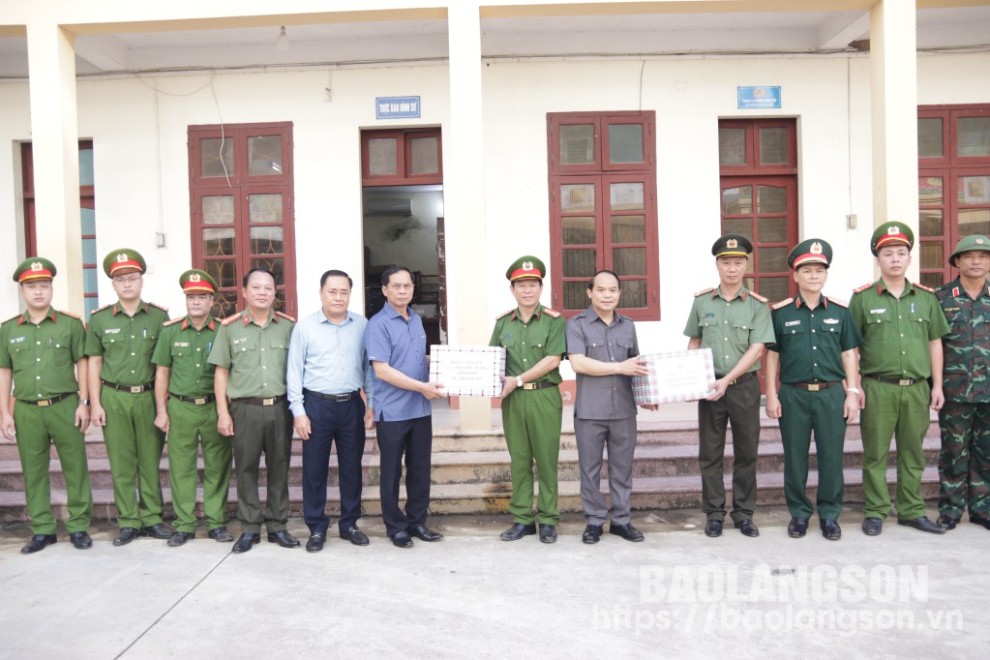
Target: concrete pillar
[894,69]
[55,147]
[464,195]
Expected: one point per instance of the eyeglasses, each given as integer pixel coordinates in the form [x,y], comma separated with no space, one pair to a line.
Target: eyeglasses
[126,279]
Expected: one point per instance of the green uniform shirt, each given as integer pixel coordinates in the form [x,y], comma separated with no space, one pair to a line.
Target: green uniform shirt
[42,357]
[184,350]
[126,343]
[729,327]
[896,331]
[966,376]
[254,355]
[811,341]
[527,343]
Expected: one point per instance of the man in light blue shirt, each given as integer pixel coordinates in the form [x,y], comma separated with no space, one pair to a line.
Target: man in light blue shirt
[327,367]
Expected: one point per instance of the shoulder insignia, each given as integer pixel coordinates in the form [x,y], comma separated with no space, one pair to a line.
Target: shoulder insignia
[505,313]
[173,321]
[861,289]
[923,287]
[840,303]
[552,312]
[285,316]
[759,297]
[946,286]
[230,319]
[13,318]
[704,291]
[783,303]
[101,309]
[157,306]
[70,315]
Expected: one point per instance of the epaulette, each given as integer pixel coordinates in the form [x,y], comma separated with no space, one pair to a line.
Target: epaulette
[923,287]
[157,306]
[100,309]
[172,321]
[552,312]
[70,315]
[783,303]
[285,316]
[13,318]
[861,289]
[504,314]
[230,319]
[704,291]
[759,297]
[840,303]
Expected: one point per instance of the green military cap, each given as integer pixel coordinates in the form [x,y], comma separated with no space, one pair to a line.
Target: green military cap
[35,268]
[526,268]
[124,260]
[971,243]
[732,245]
[891,233]
[810,251]
[197,281]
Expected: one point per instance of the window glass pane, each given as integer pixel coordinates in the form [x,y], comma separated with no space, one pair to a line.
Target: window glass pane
[625,143]
[265,208]
[225,304]
[737,200]
[973,136]
[579,263]
[742,226]
[930,222]
[930,190]
[633,294]
[266,240]
[88,217]
[772,260]
[424,155]
[626,196]
[265,155]
[933,280]
[85,167]
[629,261]
[774,288]
[577,198]
[932,255]
[577,144]
[575,296]
[772,230]
[930,137]
[732,146]
[216,157]
[770,199]
[218,210]
[578,231]
[383,156]
[974,190]
[773,146]
[629,229]
[224,272]
[218,242]
[974,221]
[277,266]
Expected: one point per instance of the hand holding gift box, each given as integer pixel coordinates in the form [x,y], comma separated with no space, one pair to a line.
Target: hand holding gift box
[686,375]
[468,370]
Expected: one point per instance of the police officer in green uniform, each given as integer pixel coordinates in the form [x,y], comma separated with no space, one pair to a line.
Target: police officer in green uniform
[41,350]
[734,323]
[815,353]
[902,326]
[187,413]
[120,342]
[964,463]
[534,340]
[250,355]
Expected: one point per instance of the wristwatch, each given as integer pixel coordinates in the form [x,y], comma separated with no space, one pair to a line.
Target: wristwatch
[519,381]
[83,402]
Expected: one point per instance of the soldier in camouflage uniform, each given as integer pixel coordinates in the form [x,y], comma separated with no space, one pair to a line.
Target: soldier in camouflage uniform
[964,465]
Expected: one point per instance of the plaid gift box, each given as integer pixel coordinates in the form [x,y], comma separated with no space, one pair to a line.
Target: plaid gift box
[468,370]
[675,376]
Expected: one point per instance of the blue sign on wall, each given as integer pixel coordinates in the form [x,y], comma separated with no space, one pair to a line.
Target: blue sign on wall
[397,107]
[757,98]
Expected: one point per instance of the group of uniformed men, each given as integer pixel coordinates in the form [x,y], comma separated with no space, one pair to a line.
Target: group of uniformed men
[238,388]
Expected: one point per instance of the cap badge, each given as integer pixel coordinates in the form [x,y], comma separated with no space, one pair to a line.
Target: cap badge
[36,266]
[732,244]
[979,241]
[527,265]
[195,277]
[816,248]
[122,257]
[893,230]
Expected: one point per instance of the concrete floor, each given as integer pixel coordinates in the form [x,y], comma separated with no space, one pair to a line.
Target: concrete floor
[678,594]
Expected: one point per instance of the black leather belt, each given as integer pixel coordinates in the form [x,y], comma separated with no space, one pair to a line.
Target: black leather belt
[132,389]
[44,403]
[538,385]
[815,385]
[271,401]
[338,398]
[903,382]
[749,375]
[195,400]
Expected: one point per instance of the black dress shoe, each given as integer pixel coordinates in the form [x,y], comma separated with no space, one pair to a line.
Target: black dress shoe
[592,534]
[354,535]
[797,528]
[38,542]
[424,533]
[985,522]
[517,531]
[747,527]
[81,540]
[316,541]
[179,538]
[831,529]
[872,526]
[713,528]
[401,540]
[627,531]
[157,531]
[220,535]
[126,535]
[283,538]
[548,534]
[947,522]
[923,524]
[246,542]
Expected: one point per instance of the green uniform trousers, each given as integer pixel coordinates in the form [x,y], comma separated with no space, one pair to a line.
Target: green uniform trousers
[37,429]
[964,463]
[262,430]
[189,427]
[902,412]
[134,447]
[531,421]
[821,412]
